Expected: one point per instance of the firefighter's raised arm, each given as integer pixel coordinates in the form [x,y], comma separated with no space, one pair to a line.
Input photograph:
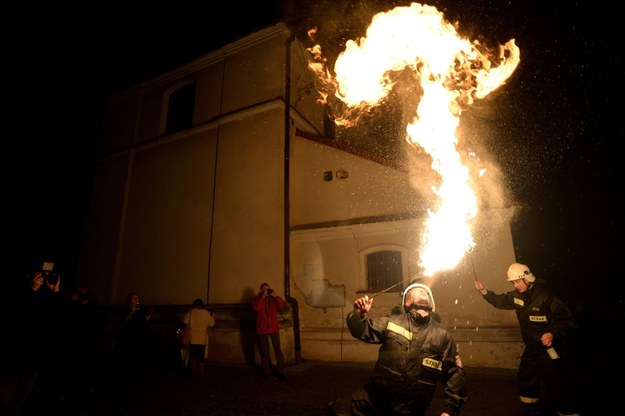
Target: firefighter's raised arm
[363,304]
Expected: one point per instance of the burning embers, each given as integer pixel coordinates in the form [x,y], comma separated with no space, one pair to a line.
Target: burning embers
[451,73]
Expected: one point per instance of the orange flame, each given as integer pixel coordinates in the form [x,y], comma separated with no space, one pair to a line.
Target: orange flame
[452,72]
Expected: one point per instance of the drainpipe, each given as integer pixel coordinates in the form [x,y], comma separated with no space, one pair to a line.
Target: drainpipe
[212,223]
[287,224]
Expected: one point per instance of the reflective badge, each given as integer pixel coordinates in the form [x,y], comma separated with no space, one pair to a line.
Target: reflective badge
[519,302]
[538,318]
[432,363]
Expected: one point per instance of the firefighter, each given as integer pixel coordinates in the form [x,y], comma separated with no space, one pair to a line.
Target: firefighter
[546,325]
[416,352]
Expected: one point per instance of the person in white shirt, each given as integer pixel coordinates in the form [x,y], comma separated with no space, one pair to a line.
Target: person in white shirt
[199,321]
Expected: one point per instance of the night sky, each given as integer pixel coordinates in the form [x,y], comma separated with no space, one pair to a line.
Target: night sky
[555,127]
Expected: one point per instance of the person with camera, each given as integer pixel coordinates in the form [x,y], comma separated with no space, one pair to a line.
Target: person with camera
[32,318]
[134,344]
[266,304]
[134,351]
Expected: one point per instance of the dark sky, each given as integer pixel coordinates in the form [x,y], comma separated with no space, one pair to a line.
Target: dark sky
[558,120]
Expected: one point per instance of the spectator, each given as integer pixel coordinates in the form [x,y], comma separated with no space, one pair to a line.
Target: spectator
[199,321]
[33,321]
[134,343]
[546,325]
[85,329]
[266,305]
[134,350]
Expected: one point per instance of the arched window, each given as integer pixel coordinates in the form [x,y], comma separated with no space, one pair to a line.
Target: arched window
[384,269]
[180,109]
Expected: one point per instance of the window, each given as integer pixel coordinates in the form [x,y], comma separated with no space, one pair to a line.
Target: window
[384,269]
[180,109]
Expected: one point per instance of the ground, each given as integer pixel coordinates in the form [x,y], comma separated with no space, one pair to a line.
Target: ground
[232,390]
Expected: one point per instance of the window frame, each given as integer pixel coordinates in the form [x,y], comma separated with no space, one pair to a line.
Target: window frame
[403,252]
[165,110]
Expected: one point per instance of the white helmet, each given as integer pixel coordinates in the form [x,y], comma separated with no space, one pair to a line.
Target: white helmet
[518,271]
[422,286]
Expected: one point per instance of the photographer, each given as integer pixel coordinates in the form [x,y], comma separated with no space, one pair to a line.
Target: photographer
[32,317]
[266,305]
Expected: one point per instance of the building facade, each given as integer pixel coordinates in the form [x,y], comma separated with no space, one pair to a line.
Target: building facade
[220,175]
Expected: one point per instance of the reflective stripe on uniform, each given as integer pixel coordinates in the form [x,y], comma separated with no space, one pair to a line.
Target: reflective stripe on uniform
[528,400]
[392,327]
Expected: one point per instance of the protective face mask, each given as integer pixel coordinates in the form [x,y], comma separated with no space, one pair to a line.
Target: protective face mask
[416,317]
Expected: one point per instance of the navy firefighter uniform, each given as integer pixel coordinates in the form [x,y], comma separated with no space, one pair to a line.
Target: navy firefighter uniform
[416,353]
[539,313]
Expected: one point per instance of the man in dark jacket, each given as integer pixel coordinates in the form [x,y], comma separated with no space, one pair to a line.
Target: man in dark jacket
[33,318]
[546,323]
[416,353]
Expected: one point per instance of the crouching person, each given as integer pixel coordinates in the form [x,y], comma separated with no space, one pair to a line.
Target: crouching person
[416,353]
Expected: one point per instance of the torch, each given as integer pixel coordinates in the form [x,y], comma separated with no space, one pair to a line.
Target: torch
[386,290]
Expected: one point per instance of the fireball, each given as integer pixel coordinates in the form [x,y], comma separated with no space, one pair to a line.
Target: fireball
[452,72]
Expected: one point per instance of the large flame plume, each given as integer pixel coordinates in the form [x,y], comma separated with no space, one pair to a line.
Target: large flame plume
[451,72]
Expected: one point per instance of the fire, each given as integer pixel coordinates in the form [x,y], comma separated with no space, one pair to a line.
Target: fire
[452,72]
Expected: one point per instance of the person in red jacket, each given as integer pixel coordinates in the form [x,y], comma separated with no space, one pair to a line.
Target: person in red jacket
[266,305]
